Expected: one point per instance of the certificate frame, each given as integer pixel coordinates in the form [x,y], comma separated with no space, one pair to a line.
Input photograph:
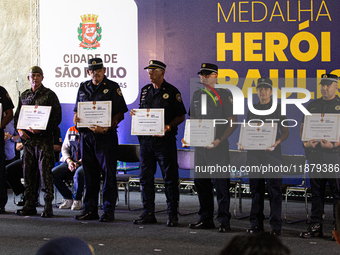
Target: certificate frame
[148,122]
[260,137]
[199,132]
[34,116]
[319,126]
[93,113]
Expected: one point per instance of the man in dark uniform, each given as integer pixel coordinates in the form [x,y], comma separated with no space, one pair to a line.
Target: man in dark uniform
[218,154]
[99,145]
[270,157]
[323,152]
[38,144]
[160,94]
[7,113]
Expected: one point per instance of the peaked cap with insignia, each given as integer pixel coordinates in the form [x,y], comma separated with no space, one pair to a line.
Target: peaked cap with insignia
[264,82]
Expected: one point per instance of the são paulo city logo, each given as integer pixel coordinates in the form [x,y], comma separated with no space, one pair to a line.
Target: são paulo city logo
[89,32]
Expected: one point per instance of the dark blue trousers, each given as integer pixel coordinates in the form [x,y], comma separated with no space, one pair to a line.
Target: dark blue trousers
[318,181]
[99,157]
[205,186]
[257,188]
[161,150]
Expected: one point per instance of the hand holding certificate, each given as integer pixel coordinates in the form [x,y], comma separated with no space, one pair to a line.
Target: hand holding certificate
[257,137]
[34,117]
[199,133]
[321,126]
[94,113]
[147,122]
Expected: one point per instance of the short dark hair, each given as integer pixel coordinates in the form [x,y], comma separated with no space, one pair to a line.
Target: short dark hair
[255,244]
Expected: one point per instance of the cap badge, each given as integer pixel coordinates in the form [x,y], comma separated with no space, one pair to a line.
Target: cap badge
[94,62]
[203,65]
[324,76]
[178,97]
[151,62]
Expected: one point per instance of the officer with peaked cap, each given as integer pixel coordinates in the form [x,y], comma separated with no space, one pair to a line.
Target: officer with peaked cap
[271,157]
[323,153]
[219,107]
[160,149]
[99,145]
[38,144]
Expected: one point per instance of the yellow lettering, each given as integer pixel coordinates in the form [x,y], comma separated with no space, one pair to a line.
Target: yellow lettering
[253,12]
[227,76]
[274,76]
[232,10]
[325,14]
[234,46]
[251,78]
[276,49]
[288,16]
[301,82]
[318,80]
[250,46]
[295,46]
[306,10]
[240,12]
[325,46]
[289,80]
[277,5]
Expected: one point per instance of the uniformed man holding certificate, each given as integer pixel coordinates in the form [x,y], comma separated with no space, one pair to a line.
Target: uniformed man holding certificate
[218,107]
[270,157]
[99,144]
[38,144]
[323,153]
[160,149]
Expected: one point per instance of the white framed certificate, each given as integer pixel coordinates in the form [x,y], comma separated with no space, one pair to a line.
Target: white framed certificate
[321,126]
[94,113]
[257,137]
[34,116]
[148,122]
[199,132]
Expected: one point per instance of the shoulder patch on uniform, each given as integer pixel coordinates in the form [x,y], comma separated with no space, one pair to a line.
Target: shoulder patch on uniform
[337,107]
[119,92]
[105,91]
[230,99]
[165,95]
[178,97]
[8,96]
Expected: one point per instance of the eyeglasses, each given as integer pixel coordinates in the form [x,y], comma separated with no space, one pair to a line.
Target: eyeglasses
[153,70]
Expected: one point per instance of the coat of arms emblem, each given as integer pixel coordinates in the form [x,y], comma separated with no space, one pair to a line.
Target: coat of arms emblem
[89,32]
